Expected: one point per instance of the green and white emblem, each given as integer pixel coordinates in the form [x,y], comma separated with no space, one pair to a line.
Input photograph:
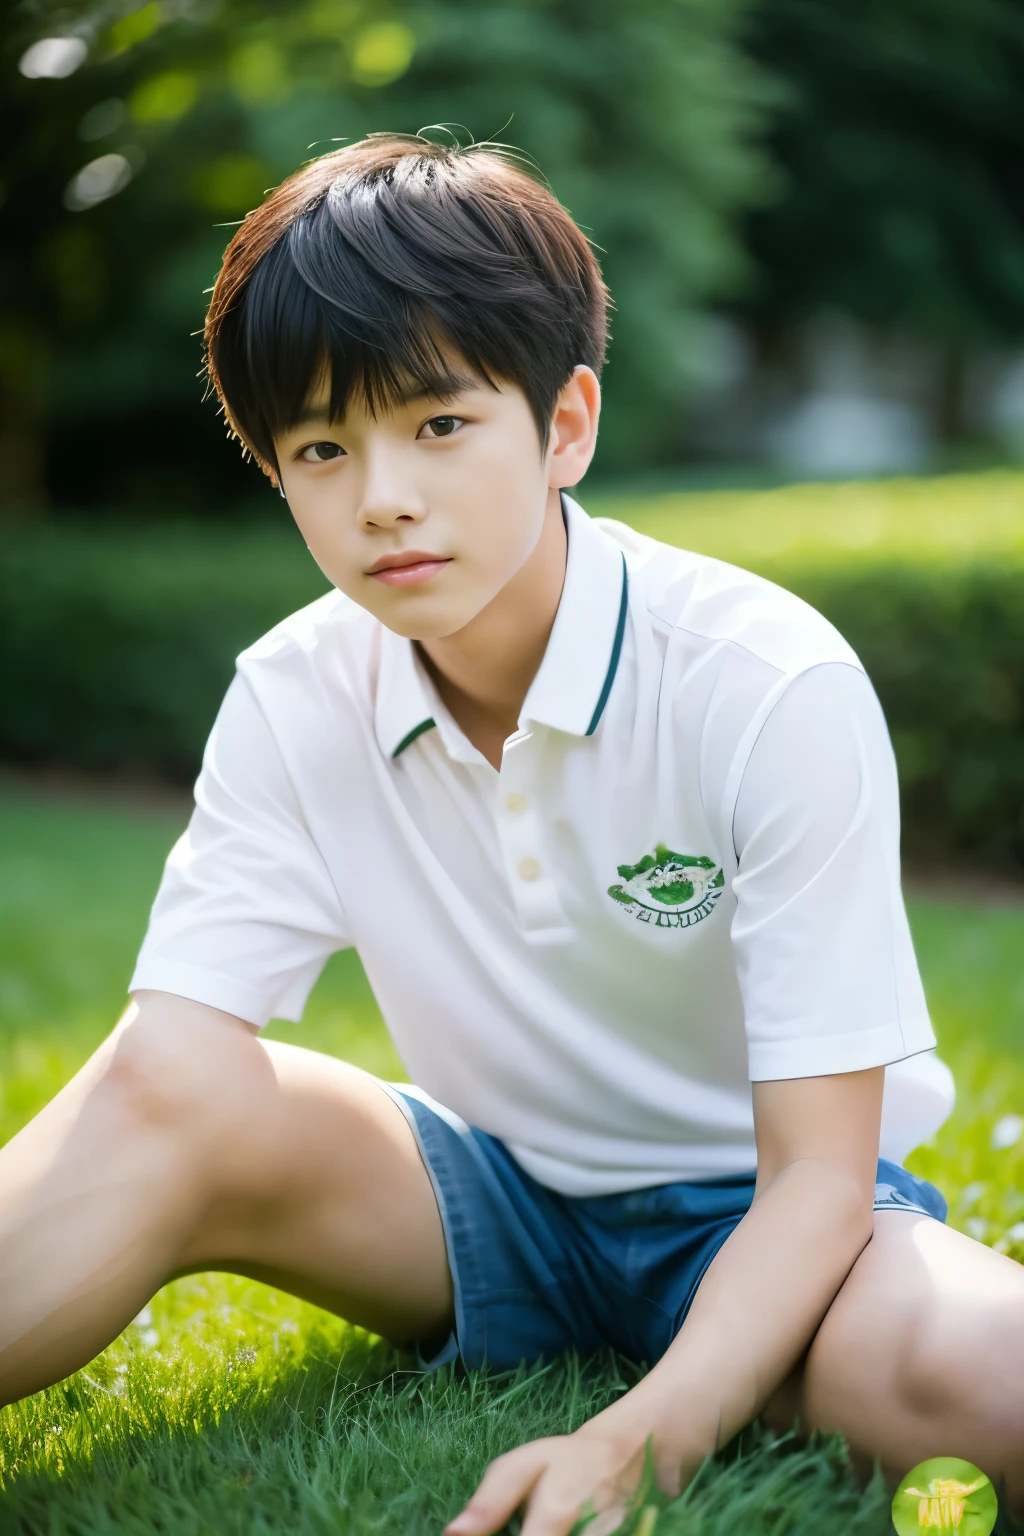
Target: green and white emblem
[670,890]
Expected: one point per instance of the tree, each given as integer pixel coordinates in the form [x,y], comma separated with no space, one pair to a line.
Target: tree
[643,114]
[901,147]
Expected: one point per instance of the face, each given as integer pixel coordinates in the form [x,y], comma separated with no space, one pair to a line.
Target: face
[424,514]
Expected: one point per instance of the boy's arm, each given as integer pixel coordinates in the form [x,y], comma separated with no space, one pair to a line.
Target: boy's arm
[756,1311]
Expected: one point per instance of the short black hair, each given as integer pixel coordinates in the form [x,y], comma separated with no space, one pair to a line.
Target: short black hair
[376,263]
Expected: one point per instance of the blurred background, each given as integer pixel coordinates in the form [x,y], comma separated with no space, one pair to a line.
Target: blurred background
[809,212]
[810,216]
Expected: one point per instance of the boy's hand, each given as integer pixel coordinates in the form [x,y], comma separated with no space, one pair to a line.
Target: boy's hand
[557,1481]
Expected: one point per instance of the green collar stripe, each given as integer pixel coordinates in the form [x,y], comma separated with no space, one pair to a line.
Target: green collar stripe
[613,665]
[417,730]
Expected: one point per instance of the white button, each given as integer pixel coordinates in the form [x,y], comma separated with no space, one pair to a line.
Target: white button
[529,869]
[516,803]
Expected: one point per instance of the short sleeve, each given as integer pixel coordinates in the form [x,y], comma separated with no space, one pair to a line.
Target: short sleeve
[823,949]
[247,913]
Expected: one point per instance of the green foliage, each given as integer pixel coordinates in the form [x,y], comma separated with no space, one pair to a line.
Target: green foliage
[117,642]
[945,651]
[641,113]
[783,155]
[229,1407]
[899,145]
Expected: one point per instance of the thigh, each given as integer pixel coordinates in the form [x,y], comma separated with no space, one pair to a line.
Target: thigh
[329,1201]
[920,1354]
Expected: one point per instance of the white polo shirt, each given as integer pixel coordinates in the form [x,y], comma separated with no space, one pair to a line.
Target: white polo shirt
[684,878]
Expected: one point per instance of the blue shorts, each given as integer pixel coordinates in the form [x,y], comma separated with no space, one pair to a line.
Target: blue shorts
[536,1272]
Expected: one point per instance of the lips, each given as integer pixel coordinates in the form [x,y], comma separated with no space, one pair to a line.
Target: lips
[407,568]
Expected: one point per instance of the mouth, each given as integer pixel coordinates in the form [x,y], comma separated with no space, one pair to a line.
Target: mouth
[408,568]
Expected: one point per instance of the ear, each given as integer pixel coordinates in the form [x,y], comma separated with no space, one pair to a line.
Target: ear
[574,429]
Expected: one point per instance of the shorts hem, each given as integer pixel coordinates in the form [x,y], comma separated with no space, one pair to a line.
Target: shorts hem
[451,1349]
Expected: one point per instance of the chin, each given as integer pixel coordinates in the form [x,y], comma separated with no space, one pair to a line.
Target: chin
[430,616]
[425,627]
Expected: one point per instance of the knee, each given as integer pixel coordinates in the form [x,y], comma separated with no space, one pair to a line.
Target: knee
[972,1375]
[178,1067]
[925,1367]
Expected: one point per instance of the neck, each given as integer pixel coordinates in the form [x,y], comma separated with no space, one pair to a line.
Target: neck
[483,672]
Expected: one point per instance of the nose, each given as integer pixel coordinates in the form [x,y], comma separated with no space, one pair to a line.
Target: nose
[389,494]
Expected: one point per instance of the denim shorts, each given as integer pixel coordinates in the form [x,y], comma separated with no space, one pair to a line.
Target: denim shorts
[535,1272]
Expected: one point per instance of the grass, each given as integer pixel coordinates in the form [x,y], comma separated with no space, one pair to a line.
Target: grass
[227,1407]
[948,520]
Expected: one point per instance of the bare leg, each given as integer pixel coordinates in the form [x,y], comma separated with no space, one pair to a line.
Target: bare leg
[187,1143]
[921,1354]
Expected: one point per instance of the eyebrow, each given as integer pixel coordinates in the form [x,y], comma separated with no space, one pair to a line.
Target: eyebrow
[444,386]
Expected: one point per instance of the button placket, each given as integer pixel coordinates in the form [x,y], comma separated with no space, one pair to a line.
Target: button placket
[521,836]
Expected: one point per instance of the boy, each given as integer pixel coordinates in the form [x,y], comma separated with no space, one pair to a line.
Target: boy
[613,828]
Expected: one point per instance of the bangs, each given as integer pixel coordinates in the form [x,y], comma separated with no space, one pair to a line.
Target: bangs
[344,326]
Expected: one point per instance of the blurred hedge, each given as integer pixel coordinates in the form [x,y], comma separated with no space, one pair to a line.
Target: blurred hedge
[945,650]
[116,643]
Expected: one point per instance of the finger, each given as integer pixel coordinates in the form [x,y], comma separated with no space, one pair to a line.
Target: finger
[555,1513]
[608,1523]
[561,1499]
[505,1485]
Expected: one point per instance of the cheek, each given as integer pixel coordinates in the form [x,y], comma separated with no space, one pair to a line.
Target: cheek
[503,515]
[512,536]
[514,528]
[312,505]
[326,533]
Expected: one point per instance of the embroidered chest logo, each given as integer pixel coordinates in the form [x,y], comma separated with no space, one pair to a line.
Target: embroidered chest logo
[670,890]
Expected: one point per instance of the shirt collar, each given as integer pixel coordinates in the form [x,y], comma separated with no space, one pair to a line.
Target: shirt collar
[574,680]
[404,709]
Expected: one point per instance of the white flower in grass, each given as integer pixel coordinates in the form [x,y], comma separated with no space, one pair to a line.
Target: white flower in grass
[148,1335]
[1016,1233]
[1007,1132]
[977,1226]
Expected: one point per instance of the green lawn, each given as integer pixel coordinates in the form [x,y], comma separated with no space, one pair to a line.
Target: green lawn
[229,1408]
[943,521]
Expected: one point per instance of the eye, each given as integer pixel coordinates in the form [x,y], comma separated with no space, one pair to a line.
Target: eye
[442,426]
[320,453]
